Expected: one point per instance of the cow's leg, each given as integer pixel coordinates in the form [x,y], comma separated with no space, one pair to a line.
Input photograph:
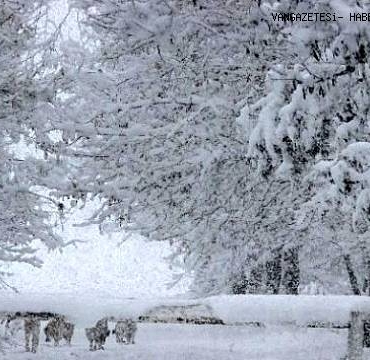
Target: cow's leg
[35,340]
[27,334]
[57,340]
[96,345]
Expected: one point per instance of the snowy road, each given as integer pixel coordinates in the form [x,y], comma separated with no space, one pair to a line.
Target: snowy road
[194,342]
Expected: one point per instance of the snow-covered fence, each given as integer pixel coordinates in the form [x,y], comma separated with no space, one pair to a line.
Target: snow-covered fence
[42,315]
[189,314]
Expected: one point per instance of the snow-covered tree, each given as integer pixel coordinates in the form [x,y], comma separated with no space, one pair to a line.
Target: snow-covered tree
[154,122]
[157,138]
[26,95]
[312,130]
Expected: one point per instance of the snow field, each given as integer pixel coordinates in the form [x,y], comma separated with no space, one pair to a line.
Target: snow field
[276,340]
[197,342]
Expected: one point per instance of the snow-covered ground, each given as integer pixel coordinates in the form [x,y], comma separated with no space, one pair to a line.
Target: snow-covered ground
[194,342]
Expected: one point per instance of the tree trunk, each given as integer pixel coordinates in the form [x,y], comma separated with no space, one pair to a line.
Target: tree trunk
[291,276]
[274,272]
[365,286]
[255,280]
[351,274]
[368,276]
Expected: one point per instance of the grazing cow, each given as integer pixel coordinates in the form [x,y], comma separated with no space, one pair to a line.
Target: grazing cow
[58,329]
[119,331]
[98,334]
[32,333]
[13,324]
[102,324]
[125,331]
[68,332]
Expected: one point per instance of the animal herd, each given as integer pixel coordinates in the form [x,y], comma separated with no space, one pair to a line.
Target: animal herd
[58,329]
